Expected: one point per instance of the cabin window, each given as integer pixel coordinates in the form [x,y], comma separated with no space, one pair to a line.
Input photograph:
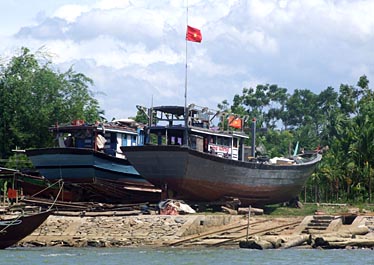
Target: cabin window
[223,141]
[206,141]
[235,142]
[159,138]
[174,140]
[80,142]
[192,142]
[133,140]
[141,137]
[199,143]
[111,141]
[126,140]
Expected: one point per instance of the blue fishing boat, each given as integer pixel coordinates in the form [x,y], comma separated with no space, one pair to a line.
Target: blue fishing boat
[88,158]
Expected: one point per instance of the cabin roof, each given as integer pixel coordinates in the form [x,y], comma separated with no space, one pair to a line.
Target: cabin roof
[110,127]
[175,110]
[229,134]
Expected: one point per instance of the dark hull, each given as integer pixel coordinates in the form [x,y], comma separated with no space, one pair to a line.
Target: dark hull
[92,175]
[13,230]
[79,165]
[196,176]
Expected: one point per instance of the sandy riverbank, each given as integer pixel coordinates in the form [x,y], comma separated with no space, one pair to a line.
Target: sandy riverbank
[112,230]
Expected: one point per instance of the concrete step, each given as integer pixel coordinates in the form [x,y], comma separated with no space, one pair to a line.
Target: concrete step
[318,223]
[321,222]
[323,217]
[315,226]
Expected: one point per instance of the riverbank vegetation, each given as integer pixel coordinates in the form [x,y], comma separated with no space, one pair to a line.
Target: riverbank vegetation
[338,122]
[309,209]
[34,96]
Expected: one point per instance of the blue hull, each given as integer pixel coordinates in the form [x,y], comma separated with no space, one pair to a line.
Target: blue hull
[78,165]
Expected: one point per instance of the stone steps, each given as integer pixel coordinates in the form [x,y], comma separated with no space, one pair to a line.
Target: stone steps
[318,223]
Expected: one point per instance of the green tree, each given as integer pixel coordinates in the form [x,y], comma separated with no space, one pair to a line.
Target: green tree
[33,96]
[342,121]
[362,146]
[277,107]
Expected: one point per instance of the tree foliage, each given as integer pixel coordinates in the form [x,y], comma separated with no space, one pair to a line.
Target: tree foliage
[34,96]
[340,120]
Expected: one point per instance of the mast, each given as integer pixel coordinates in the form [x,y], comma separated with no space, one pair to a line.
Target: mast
[185,140]
[253,151]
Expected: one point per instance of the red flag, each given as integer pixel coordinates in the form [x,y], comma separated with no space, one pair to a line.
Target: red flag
[235,122]
[193,34]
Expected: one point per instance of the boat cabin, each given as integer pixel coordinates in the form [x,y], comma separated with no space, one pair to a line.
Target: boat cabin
[168,126]
[104,137]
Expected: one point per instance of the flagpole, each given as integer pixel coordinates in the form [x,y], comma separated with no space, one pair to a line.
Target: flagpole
[185,142]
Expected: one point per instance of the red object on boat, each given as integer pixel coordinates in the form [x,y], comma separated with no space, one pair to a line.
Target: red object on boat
[235,122]
[12,193]
[77,122]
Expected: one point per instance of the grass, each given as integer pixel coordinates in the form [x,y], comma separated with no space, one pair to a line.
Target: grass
[277,210]
[311,208]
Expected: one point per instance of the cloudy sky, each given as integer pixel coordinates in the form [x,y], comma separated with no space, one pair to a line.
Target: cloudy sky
[135,50]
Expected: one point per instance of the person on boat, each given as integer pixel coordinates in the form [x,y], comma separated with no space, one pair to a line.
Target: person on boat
[100,142]
[69,141]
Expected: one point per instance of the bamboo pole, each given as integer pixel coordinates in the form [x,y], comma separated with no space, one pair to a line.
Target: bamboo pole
[249,215]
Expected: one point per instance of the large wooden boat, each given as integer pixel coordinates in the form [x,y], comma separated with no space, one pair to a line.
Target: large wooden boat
[82,165]
[14,229]
[90,162]
[198,163]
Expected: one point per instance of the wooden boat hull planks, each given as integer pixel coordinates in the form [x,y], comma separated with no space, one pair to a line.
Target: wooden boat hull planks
[13,230]
[197,176]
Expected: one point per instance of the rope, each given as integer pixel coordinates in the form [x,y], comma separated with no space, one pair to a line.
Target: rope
[60,180]
[22,214]
[11,223]
[58,195]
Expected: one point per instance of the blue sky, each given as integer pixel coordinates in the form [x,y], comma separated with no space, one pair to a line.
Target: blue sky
[134,50]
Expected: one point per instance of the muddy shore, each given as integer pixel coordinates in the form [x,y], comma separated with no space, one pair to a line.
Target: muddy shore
[113,230]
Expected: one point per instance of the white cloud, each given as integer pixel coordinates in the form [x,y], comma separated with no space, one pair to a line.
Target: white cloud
[135,49]
[106,51]
[70,12]
[111,4]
